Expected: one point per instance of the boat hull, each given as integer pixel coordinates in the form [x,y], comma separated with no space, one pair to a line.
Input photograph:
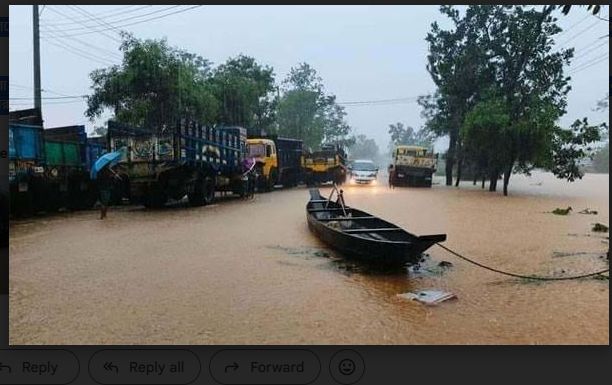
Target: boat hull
[400,248]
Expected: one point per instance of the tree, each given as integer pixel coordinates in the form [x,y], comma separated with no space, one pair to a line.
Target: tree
[246,93]
[305,112]
[457,63]
[364,148]
[154,86]
[500,91]
[406,135]
[570,146]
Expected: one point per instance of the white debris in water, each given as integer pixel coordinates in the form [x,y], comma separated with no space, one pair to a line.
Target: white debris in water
[428,297]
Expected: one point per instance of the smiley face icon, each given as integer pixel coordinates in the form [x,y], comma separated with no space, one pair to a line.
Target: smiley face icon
[346,367]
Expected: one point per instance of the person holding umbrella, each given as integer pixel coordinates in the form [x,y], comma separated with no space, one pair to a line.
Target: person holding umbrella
[102,171]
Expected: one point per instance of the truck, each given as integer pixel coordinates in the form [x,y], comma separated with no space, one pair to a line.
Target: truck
[187,158]
[412,166]
[278,160]
[69,155]
[325,165]
[26,168]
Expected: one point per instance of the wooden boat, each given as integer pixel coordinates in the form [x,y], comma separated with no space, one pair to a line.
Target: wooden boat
[359,235]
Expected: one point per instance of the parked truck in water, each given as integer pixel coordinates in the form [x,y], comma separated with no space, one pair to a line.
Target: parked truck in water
[278,160]
[69,155]
[188,159]
[325,165]
[49,168]
[412,166]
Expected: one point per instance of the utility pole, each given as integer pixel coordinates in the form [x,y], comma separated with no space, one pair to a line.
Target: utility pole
[36,37]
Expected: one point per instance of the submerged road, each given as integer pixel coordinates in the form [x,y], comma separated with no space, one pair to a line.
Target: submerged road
[250,272]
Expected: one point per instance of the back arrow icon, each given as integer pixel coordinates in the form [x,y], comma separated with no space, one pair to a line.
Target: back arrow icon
[234,367]
[110,366]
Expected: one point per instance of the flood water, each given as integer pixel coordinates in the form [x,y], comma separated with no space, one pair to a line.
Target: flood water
[250,272]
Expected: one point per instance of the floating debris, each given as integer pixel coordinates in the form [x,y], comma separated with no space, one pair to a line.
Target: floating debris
[559,211]
[588,212]
[599,228]
[428,297]
[445,264]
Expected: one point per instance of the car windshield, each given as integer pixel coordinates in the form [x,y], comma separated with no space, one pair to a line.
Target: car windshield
[364,166]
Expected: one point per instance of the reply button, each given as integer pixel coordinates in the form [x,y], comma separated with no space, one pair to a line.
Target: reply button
[269,366]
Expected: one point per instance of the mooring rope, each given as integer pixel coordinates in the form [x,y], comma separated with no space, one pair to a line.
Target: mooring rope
[519,275]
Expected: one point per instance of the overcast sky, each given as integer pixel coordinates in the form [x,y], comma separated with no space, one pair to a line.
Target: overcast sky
[363,53]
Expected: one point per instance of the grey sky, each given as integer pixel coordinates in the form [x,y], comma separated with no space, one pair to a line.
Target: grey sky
[362,53]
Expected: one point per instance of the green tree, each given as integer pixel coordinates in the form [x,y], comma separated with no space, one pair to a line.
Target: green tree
[364,148]
[306,112]
[458,65]
[155,85]
[406,135]
[246,93]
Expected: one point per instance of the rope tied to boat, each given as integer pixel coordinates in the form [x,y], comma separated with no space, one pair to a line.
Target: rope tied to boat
[520,275]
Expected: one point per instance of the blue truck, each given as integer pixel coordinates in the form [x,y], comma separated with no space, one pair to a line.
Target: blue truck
[186,159]
[49,168]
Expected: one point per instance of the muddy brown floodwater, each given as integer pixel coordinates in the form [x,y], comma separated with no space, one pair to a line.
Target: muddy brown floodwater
[250,272]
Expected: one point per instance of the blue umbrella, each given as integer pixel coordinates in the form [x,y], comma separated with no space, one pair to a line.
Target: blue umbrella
[107,160]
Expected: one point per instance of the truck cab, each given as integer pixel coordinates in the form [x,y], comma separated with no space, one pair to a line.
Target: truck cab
[412,166]
[263,151]
[326,165]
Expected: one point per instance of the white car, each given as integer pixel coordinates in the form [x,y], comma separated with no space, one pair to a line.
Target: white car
[363,171]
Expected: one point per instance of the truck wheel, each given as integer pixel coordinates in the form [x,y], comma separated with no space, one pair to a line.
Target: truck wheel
[196,196]
[271,180]
[155,199]
[209,190]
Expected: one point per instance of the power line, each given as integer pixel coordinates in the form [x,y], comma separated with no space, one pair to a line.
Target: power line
[572,26]
[91,17]
[54,97]
[127,19]
[410,99]
[31,88]
[47,103]
[79,52]
[80,22]
[578,34]
[60,35]
[141,21]
[585,53]
[106,15]
[591,63]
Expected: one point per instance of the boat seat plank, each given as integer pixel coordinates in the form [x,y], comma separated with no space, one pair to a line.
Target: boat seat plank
[380,230]
[327,209]
[345,219]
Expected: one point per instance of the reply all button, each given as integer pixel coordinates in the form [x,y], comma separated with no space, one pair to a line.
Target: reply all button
[265,366]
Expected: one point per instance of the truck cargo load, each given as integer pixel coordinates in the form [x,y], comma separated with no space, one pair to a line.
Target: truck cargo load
[188,159]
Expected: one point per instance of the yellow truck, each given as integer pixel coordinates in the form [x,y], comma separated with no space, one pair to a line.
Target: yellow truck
[412,166]
[277,161]
[326,165]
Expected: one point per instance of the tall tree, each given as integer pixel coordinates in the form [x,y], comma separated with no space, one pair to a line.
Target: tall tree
[155,85]
[406,135]
[457,65]
[246,92]
[306,112]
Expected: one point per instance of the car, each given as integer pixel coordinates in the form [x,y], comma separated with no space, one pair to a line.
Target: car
[363,171]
